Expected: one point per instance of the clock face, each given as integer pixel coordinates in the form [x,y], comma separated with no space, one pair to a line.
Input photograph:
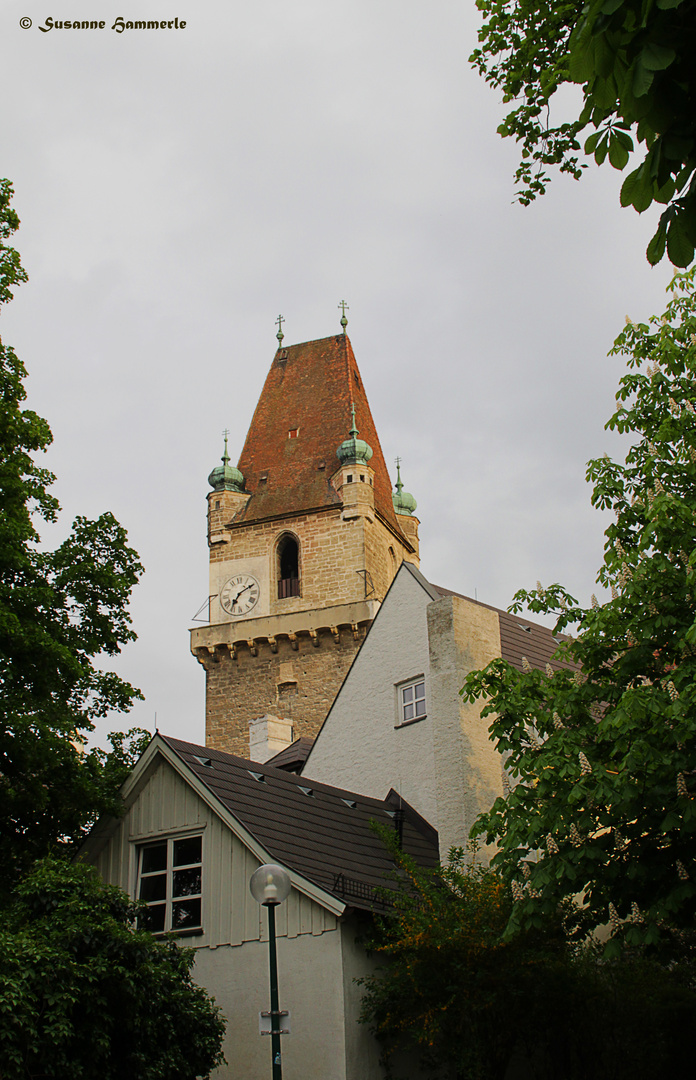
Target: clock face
[240,594]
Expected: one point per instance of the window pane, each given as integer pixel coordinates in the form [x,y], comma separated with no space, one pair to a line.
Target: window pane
[407,693]
[153,919]
[154,858]
[153,888]
[187,882]
[419,689]
[186,913]
[420,707]
[408,712]
[187,851]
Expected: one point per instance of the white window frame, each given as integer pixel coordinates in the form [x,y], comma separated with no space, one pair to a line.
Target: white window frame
[403,706]
[170,900]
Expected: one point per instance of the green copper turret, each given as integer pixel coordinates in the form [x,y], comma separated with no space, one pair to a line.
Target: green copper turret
[354,451]
[225,477]
[404,503]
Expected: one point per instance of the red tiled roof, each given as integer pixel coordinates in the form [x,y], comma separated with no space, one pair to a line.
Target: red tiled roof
[308,390]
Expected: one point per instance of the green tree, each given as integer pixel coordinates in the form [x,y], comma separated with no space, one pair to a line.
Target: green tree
[602,805]
[634,61]
[83,994]
[472,1003]
[59,610]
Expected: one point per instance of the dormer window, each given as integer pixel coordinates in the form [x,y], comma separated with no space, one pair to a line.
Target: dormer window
[293,433]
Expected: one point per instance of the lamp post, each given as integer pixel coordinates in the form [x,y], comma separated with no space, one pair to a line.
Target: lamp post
[270,885]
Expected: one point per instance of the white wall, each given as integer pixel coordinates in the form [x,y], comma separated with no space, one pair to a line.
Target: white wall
[310,986]
[359,747]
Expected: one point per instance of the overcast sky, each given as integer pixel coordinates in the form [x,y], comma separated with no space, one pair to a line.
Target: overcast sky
[178,189]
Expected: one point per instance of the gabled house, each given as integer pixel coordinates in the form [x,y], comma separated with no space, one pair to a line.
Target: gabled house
[399,720]
[197,823]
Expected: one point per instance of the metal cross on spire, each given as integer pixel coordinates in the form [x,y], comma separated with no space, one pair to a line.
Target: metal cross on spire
[225,456]
[398,485]
[343,306]
[280,335]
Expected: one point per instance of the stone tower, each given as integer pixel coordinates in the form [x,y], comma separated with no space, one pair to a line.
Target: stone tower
[305,539]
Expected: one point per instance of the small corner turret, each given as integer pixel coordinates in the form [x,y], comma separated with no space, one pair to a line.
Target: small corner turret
[226,498]
[404,507]
[355,479]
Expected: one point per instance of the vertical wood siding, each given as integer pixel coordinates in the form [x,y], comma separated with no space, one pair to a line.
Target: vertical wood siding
[230,913]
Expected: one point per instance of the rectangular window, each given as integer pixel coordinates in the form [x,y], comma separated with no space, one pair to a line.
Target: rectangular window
[170,878]
[412,701]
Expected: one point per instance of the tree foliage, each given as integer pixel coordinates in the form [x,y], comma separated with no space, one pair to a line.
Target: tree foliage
[473,1003]
[634,61]
[59,610]
[602,806]
[83,994]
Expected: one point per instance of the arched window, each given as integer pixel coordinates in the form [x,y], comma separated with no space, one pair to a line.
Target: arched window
[288,566]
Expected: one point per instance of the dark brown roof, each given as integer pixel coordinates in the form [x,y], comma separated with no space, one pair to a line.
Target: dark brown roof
[309,389]
[321,832]
[293,757]
[521,638]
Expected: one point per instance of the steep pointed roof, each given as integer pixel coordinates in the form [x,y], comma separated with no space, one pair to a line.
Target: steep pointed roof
[302,417]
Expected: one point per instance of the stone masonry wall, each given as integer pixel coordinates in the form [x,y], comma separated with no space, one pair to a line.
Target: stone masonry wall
[298,684]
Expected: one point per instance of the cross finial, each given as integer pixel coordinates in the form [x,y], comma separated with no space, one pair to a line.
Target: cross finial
[353,430]
[343,306]
[225,456]
[280,335]
[398,485]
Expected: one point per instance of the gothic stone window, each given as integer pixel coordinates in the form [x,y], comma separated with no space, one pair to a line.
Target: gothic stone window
[411,701]
[170,878]
[288,563]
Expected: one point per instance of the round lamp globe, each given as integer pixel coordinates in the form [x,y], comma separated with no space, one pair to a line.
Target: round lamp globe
[270,884]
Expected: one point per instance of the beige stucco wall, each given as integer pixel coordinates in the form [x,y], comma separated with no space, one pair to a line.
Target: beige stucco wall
[462,637]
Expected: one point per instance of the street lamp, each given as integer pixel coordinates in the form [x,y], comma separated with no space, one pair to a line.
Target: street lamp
[270,885]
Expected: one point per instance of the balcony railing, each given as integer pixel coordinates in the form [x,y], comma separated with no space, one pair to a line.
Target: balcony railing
[288,587]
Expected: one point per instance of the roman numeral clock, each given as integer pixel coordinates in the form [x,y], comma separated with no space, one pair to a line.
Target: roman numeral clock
[240,594]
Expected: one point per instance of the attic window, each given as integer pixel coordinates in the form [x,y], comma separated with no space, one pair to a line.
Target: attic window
[356,377]
[527,629]
[321,465]
[350,802]
[263,478]
[203,761]
[170,884]
[257,776]
[293,433]
[307,791]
